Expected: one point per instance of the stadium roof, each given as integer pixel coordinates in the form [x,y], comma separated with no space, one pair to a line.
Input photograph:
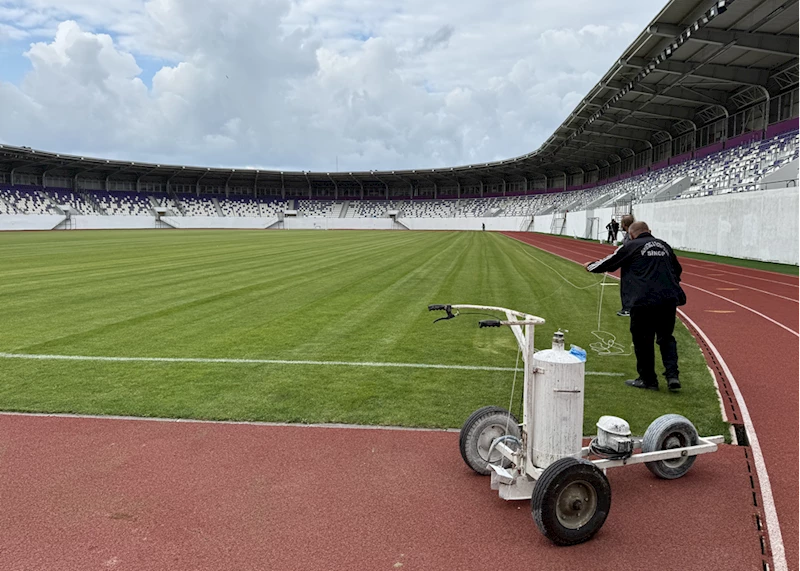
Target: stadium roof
[697,61]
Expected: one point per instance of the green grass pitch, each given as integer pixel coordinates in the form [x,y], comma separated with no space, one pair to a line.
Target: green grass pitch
[314,295]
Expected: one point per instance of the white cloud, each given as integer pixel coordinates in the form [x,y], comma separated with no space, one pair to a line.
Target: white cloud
[294,84]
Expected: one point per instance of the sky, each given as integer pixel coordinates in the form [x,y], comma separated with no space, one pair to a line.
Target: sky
[303,84]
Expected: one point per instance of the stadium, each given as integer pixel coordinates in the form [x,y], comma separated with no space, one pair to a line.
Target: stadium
[302,407]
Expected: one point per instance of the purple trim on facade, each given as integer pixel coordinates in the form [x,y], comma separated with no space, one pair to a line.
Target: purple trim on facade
[659,165]
[708,150]
[782,127]
[742,139]
[677,159]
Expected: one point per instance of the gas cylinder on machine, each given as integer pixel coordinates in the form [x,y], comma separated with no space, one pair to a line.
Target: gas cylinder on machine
[555,404]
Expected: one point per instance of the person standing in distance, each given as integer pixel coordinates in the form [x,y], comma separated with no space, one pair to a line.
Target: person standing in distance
[612,233]
[652,279]
[625,223]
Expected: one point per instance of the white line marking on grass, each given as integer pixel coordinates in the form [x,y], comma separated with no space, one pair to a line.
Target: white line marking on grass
[771,514]
[33,356]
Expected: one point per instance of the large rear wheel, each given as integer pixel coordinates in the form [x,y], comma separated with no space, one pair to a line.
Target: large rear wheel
[479,431]
[667,432]
[570,501]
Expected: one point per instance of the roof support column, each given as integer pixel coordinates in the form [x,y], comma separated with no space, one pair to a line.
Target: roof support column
[255,187]
[283,188]
[335,188]
[504,187]
[197,183]
[227,180]
[309,184]
[481,189]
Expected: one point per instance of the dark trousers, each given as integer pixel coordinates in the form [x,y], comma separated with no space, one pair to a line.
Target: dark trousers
[611,237]
[646,323]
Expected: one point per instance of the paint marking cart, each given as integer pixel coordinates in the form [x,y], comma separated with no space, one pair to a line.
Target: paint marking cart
[543,458]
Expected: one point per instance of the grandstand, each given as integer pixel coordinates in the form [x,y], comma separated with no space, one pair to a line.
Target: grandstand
[704,102]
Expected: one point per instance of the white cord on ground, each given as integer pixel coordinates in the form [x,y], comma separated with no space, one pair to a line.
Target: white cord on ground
[513,386]
[559,274]
[600,304]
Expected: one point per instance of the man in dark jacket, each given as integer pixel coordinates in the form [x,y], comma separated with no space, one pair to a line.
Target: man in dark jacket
[653,292]
[625,223]
[613,228]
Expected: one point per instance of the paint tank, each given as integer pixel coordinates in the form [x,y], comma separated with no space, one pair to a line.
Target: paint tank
[556,430]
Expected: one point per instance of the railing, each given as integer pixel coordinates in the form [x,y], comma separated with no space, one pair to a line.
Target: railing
[749,187]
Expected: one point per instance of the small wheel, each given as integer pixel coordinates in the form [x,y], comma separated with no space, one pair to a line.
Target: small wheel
[570,501]
[666,432]
[478,433]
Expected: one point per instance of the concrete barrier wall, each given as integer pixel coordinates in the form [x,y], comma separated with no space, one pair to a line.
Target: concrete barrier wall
[221,222]
[319,223]
[759,225]
[30,221]
[500,223]
[112,222]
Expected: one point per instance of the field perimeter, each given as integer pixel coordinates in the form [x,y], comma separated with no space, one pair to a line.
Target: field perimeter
[354,297]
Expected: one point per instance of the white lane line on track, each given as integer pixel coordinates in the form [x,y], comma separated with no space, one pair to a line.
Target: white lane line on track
[684,283]
[770,512]
[233,422]
[738,274]
[34,356]
[792,331]
[738,284]
[685,263]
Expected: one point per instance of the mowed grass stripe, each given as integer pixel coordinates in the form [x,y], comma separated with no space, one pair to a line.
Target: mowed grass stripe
[299,296]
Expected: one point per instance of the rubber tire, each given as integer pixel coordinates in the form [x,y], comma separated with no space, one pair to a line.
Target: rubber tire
[476,423]
[471,419]
[544,500]
[656,438]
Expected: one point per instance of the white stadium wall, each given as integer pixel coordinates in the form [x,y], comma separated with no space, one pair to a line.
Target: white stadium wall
[497,224]
[321,223]
[30,222]
[759,225]
[114,222]
[221,222]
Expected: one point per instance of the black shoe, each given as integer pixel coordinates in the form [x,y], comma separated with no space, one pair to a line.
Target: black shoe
[624,313]
[673,384]
[640,384]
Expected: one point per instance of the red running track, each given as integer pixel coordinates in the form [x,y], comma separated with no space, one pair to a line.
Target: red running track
[141,495]
[751,317]
[87,493]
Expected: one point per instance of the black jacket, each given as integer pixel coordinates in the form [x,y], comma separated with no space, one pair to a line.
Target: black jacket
[651,273]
